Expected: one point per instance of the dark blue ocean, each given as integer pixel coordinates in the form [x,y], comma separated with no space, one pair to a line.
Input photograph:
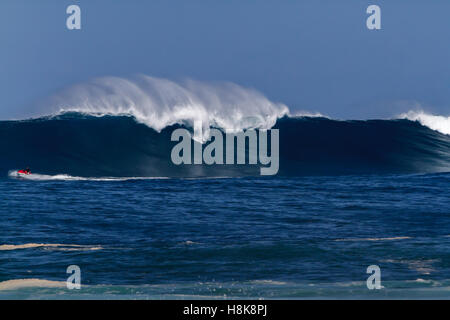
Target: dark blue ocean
[292,237]
[348,195]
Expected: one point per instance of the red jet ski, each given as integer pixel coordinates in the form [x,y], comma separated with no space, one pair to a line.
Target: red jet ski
[24,171]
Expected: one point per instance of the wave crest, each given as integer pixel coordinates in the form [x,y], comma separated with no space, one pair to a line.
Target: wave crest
[160,103]
[438,123]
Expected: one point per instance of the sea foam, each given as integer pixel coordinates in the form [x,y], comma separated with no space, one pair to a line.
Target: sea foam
[56,246]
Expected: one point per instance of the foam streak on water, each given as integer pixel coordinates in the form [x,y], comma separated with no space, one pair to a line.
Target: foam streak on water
[67,177]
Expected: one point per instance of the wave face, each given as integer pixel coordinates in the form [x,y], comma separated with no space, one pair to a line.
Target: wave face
[324,146]
[83,145]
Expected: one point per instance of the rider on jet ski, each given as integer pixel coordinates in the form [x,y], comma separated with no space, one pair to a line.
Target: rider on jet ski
[26,171]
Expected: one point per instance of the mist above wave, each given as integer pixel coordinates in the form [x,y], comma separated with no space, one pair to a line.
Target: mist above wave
[159,102]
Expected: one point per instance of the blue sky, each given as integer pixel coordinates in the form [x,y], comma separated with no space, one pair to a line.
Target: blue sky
[311,55]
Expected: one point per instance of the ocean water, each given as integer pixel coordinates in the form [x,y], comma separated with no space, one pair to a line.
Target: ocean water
[105,196]
[236,237]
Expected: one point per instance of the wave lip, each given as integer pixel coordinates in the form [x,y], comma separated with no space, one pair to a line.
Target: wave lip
[160,103]
[438,123]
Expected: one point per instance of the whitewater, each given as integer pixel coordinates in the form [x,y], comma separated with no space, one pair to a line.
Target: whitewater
[159,103]
[66,177]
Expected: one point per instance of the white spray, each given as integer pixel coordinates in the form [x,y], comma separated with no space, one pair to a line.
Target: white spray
[159,103]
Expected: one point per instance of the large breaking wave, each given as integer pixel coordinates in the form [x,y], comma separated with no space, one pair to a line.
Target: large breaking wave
[114,127]
[159,103]
[119,146]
